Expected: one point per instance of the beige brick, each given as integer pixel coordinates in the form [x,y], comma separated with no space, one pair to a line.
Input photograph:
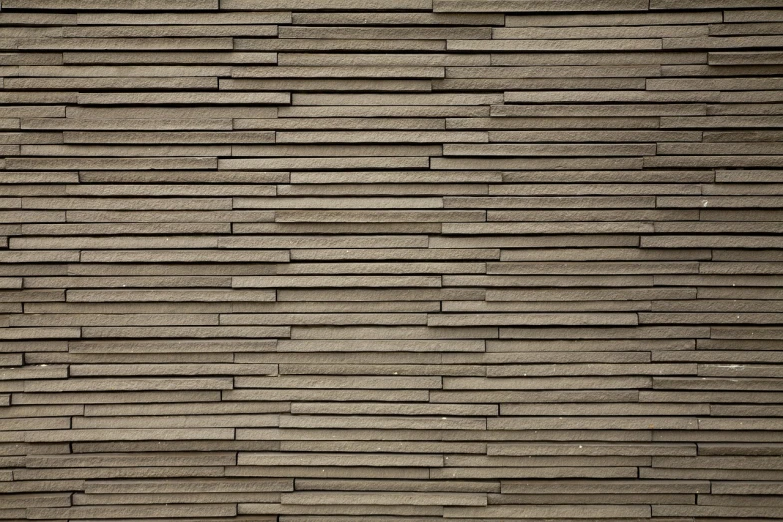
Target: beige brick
[642,31]
[383,33]
[646,44]
[314,44]
[336,242]
[87,163]
[569,123]
[163,98]
[337,72]
[218,18]
[324,163]
[547,150]
[384,60]
[522,163]
[124,124]
[536,5]
[110,83]
[129,71]
[169,137]
[164,31]
[125,44]
[184,112]
[338,202]
[610,96]
[197,58]
[103,4]
[381,137]
[710,4]
[315,84]
[340,123]
[397,99]
[351,18]
[334,281]
[306,5]
[613,19]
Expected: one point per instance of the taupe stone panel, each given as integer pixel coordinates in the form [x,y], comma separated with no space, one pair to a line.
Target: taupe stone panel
[415,260]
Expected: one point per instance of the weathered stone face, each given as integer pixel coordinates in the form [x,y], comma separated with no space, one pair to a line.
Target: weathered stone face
[391,260]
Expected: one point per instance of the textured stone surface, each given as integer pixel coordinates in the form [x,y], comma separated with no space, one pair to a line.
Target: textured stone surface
[414,260]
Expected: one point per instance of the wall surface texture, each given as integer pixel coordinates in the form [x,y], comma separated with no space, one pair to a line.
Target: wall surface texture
[391,260]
